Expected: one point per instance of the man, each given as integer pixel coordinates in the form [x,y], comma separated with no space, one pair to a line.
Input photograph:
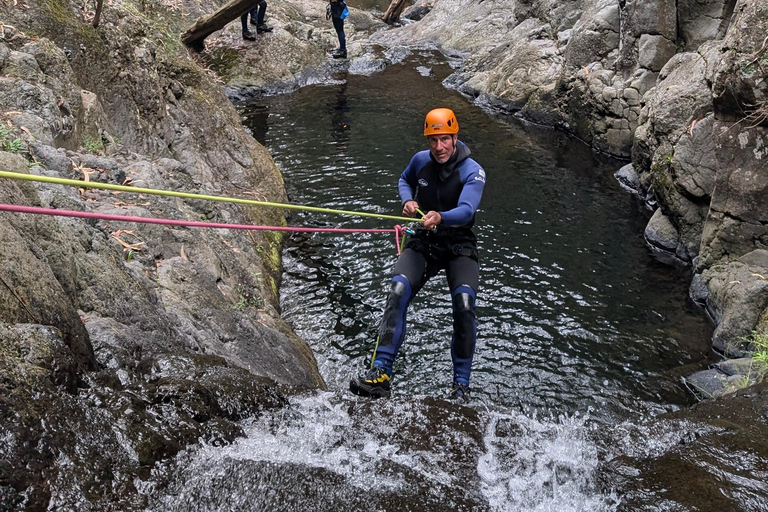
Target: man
[257,18]
[446,184]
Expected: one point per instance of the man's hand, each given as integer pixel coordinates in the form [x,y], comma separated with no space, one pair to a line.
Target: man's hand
[409,208]
[432,219]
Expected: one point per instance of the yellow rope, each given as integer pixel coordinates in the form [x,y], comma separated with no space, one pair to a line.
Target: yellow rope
[187,195]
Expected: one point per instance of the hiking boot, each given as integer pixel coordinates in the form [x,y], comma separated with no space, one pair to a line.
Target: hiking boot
[254,21]
[260,29]
[374,383]
[339,54]
[248,36]
[460,392]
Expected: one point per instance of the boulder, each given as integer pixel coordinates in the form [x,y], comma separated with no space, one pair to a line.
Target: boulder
[655,51]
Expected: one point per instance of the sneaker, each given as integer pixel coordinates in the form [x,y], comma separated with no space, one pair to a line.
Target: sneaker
[248,36]
[254,22]
[339,54]
[460,392]
[263,28]
[374,383]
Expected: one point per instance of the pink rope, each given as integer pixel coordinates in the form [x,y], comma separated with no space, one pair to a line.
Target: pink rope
[189,223]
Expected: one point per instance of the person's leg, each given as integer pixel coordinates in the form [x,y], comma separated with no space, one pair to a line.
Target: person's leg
[463,279]
[338,24]
[410,276]
[246,33]
[262,9]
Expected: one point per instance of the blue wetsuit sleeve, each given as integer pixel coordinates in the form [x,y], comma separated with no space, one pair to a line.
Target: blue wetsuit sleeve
[469,199]
[407,183]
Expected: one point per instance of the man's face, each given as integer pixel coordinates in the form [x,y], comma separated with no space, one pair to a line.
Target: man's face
[442,146]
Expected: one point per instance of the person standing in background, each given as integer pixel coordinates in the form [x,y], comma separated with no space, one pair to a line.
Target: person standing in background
[337,11]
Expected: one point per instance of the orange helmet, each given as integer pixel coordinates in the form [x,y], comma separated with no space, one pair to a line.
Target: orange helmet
[439,121]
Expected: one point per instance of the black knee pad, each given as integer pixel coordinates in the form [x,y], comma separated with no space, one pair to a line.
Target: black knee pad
[397,302]
[464,325]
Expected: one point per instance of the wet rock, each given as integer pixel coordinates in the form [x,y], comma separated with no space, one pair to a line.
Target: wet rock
[713,383]
[630,181]
[663,238]
[670,448]
[698,290]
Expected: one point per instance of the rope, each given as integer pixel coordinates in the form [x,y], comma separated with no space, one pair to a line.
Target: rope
[187,195]
[187,223]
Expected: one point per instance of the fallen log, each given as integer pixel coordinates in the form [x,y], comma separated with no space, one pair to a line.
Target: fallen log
[210,23]
[393,12]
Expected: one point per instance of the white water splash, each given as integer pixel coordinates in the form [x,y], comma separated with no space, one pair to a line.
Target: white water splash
[540,466]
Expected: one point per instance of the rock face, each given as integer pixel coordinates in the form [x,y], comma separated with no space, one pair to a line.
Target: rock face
[122,343]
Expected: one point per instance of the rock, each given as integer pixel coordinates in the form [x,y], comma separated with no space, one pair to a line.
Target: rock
[711,384]
[743,366]
[651,17]
[663,238]
[418,10]
[737,221]
[695,162]
[643,80]
[53,160]
[629,180]
[738,298]
[655,51]
[698,290]
[22,66]
[702,21]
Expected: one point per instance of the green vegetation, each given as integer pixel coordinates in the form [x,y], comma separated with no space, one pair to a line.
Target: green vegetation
[92,144]
[247,299]
[759,343]
[9,142]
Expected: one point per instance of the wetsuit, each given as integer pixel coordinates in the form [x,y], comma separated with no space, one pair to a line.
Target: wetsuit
[454,190]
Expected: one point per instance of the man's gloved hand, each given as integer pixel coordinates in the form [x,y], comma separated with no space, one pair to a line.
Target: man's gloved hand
[328,11]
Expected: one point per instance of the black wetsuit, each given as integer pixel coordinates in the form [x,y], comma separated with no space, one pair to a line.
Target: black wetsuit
[454,190]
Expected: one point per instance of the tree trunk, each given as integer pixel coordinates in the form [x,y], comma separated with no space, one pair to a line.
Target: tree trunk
[97,16]
[394,10]
[210,23]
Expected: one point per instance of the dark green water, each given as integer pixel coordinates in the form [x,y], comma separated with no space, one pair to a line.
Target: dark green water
[573,312]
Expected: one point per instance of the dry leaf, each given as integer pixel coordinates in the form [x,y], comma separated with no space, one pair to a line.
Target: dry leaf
[183,255]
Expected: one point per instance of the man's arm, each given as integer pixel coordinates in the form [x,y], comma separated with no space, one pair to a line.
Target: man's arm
[469,200]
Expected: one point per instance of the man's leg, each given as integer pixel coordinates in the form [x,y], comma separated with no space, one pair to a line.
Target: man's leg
[410,272]
[246,33]
[260,25]
[410,275]
[463,277]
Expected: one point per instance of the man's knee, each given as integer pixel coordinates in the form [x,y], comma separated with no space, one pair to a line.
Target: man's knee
[401,288]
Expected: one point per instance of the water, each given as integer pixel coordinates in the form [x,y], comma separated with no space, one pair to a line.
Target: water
[579,329]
